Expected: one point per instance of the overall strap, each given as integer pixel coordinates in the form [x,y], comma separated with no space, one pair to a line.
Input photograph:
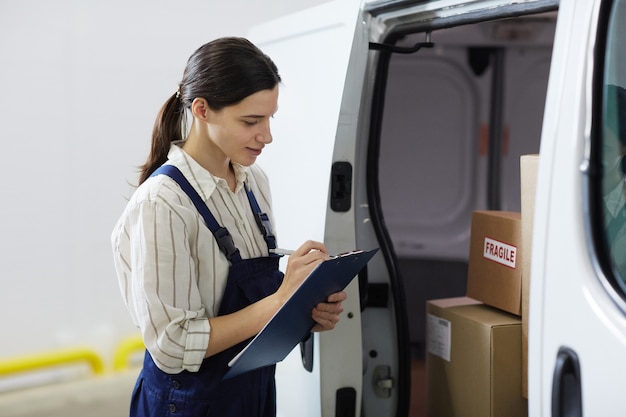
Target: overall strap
[222,236]
[262,219]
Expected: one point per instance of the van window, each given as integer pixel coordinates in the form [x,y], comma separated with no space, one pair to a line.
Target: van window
[612,141]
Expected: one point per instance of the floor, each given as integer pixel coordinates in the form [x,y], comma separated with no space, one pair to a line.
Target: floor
[100,396]
[417,407]
[107,397]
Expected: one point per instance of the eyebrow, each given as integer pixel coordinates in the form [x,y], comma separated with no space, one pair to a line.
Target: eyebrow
[259,116]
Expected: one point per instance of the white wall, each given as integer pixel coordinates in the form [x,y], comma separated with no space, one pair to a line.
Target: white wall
[81,82]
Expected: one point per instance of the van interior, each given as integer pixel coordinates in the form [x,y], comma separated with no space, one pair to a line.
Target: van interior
[456,116]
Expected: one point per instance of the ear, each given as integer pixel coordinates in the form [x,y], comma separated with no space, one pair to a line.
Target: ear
[200,108]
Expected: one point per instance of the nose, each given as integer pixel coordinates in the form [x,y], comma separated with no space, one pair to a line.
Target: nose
[264,135]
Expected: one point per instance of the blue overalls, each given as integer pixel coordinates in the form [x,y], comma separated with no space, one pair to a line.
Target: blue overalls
[203,393]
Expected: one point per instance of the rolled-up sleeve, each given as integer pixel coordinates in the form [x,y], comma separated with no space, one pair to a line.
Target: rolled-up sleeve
[161,284]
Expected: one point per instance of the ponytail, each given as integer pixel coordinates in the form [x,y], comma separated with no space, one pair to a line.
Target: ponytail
[167,129]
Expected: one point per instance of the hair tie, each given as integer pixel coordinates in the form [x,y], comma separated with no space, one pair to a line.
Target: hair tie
[178,92]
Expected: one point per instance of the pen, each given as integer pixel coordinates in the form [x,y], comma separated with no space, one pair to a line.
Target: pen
[279,251]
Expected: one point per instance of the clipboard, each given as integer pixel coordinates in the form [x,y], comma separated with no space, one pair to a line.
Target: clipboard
[293,321]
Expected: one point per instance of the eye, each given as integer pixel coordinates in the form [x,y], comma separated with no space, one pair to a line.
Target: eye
[251,122]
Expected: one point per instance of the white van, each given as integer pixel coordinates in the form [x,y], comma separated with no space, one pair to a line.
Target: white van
[397,120]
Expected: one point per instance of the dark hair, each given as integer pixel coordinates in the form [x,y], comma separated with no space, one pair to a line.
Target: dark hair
[223,72]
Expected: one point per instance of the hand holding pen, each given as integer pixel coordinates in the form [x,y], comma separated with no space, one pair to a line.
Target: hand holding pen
[306,258]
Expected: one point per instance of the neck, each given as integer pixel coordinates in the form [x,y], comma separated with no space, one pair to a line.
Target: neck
[209,156]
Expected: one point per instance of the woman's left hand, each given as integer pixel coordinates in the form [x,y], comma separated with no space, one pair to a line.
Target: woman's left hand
[326,314]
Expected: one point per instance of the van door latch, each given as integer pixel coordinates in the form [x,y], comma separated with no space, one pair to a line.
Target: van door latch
[341,186]
[383,383]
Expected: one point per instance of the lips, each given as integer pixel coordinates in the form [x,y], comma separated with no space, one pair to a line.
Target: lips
[255,152]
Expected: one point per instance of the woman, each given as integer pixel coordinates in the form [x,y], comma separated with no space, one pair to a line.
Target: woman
[193,247]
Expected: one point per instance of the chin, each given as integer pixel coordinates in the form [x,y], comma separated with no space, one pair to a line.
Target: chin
[246,162]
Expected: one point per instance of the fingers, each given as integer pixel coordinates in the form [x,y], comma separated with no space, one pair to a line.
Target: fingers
[305,258]
[310,252]
[337,297]
[326,315]
[310,245]
[328,309]
[299,266]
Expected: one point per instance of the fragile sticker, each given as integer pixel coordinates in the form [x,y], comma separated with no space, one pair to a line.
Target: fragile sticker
[500,252]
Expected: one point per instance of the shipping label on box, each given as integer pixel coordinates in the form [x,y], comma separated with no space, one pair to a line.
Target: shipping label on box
[494,274]
[439,332]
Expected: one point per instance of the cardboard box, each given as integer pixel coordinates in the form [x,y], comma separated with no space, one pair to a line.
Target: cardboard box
[473,363]
[528,186]
[494,273]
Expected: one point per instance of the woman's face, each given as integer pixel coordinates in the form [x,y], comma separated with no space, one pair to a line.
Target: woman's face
[241,131]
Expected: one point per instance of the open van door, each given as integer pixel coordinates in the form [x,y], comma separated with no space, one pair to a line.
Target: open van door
[323,166]
[321,54]
[577,329]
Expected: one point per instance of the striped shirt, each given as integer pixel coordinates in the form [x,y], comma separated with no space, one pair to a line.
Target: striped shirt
[170,270]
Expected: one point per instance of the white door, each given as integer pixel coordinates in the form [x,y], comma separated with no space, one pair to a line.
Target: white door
[314,53]
[577,329]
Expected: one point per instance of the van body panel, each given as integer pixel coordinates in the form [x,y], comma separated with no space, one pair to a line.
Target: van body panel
[570,307]
[318,107]
[341,354]
[311,49]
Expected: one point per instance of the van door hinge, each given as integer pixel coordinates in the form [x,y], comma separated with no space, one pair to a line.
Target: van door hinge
[383,383]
